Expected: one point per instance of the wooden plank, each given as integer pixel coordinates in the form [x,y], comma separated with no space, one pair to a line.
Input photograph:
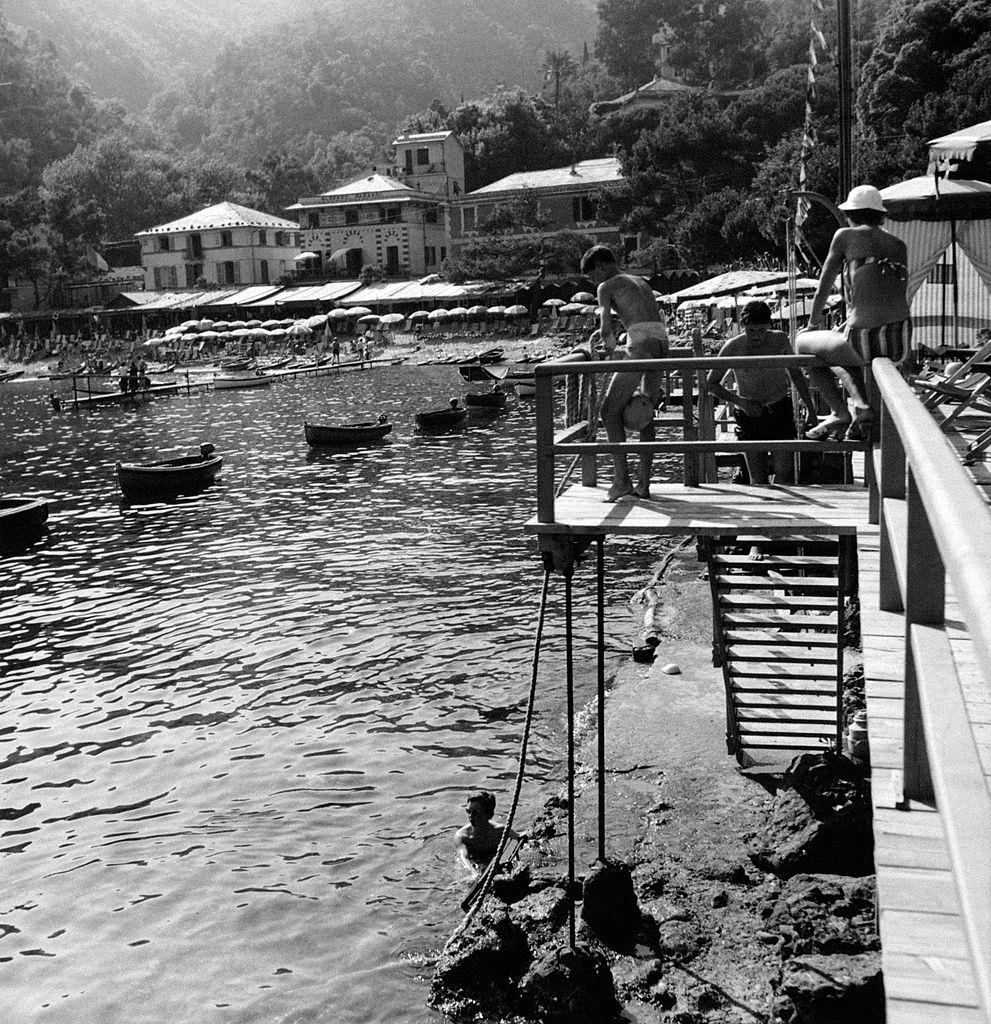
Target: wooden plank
[930,979]
[912,931]
[765,653]
[776,581]
[765,636]
[819,562]
[764,600]
[900,1011]
[768,619]
[921,889]
[777,670]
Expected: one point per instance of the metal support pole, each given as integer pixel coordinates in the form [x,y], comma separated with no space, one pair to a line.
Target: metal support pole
[601,613]
[570,677]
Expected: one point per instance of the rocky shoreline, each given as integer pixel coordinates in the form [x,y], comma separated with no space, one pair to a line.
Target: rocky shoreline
[729,896]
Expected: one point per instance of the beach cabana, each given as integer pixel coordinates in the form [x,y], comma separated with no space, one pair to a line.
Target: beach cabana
[946,225]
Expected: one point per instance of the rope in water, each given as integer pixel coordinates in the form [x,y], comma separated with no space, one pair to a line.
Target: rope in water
[493,865]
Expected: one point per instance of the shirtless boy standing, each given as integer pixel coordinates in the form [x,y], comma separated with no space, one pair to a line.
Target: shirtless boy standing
[762,398]
[630,398]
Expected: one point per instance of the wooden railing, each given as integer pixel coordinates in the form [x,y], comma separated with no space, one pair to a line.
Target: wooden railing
[698,443]
[936,528]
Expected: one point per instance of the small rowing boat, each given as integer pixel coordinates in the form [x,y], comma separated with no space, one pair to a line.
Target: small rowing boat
[486,400]
[21,520]
[225,383]
[7,375]
[439,419]
[347,434]
[244,363]
[187,475]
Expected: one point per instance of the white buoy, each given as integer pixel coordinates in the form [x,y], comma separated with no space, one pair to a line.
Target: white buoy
[671,670]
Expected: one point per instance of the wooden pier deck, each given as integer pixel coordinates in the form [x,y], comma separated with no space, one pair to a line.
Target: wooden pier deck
[924,579]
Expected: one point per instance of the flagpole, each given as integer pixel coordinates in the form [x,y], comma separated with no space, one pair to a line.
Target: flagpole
[844,66]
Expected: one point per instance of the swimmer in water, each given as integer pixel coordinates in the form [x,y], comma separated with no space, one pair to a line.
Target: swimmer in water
[479,839]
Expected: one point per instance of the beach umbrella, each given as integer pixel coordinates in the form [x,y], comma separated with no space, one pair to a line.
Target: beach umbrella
[306,256]
[338,314]
[477,310]
[316,321]
[300,331]
[552,303]
[221,325]
[205,325]
[590,310]
[209,335]
[252,323]
[392,318]
[258,332]
[240,332]
[269,324]
[236,325]
[584,298]
[278,332]
[516,310]
[458,312]
[368,318]
[570,308]
[189,338]
[420,314]
[496,310]
[190,325]
[359,311]
[437,314]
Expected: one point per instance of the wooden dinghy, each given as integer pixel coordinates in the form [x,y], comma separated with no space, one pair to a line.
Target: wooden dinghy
[441,419]
[21,520]
[259,380]
[486,400]
[187,475]
[347,434]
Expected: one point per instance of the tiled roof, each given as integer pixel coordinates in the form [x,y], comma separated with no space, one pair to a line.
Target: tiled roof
[221,215]
[422,137]
[368,188]
[586,173]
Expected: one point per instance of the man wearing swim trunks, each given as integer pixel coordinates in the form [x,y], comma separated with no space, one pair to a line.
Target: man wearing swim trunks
[630,398]
[764,410]
[874,263]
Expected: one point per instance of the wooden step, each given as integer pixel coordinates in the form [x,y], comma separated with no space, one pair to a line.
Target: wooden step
[787,743]
[792,654]
[789,730]
[762,637]
[777,582]
[779,670]
[767,688]
[779,718]
[755,701]
[765,600]
[819,562]
[768,620]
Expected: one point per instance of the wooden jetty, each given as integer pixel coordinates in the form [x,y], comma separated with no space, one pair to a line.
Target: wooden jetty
[84,397]
[910,533]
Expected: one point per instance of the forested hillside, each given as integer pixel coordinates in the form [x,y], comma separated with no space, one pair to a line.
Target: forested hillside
[133,49]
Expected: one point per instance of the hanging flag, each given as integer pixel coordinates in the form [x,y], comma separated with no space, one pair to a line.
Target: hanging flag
[809,140]
[95,260]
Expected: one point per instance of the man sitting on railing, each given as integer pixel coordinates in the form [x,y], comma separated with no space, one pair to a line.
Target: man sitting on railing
[764,410]
[630,398]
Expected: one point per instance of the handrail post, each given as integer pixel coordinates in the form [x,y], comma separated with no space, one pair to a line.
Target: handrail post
[890,483]
[544,408]
[690,462]
[706,419]
[925,604]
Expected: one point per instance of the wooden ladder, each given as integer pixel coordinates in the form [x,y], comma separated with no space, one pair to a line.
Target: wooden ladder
[778,625]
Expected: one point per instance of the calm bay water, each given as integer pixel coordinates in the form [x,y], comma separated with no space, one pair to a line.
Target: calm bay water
[238,729]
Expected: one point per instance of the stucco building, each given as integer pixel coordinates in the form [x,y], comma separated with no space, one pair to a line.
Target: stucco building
[566,199]
[396,218]
[224,244]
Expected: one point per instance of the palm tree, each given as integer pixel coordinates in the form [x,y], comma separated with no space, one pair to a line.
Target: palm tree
[558,64]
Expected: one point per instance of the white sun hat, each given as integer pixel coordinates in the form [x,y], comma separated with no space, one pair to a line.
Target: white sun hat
[864,197]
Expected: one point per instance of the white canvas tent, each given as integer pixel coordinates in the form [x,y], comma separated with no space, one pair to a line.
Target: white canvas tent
[939,219]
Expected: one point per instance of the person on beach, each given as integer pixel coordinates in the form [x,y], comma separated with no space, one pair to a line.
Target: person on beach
[764,410]
[874,263]
[478,841]
[630,398]
[335,348]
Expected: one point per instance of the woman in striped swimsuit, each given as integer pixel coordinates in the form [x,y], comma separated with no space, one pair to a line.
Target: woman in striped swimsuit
[874,264]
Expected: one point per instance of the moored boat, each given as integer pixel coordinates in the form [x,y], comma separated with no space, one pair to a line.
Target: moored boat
[344,434]
[187,475]
[245,363]
[7,375]
[21,520]
[224,383]
[486,400]
[437,419]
